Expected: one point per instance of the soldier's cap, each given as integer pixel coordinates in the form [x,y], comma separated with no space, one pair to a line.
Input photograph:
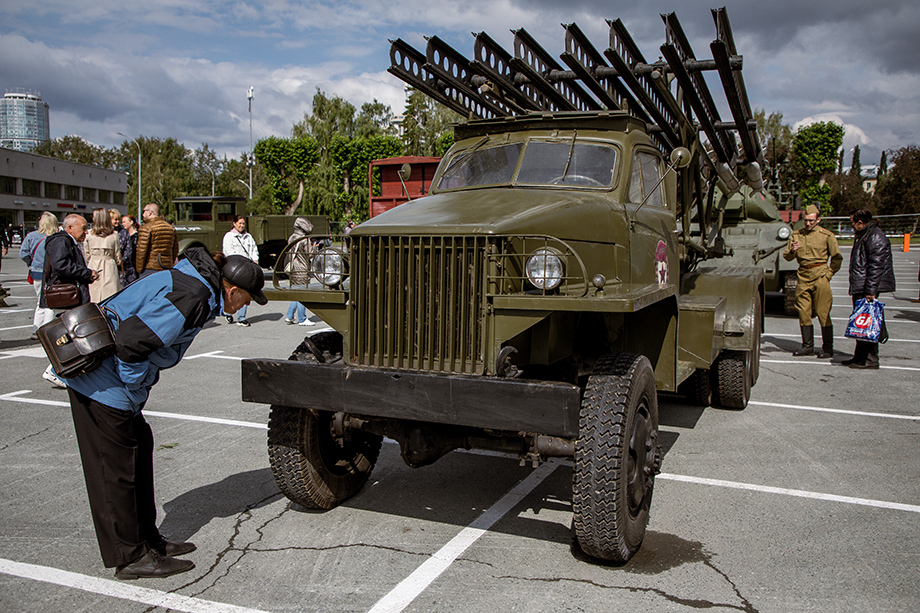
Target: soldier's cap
[245,274]
[812,210]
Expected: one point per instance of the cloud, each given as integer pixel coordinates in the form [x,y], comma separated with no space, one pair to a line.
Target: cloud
[170,68]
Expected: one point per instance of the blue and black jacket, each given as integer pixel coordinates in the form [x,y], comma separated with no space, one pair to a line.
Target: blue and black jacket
[155,320]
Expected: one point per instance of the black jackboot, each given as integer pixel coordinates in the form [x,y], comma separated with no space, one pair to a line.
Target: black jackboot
[827,342]
[808,341]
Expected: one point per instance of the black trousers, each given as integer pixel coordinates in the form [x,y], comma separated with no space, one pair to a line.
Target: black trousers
[116,449]
[867,351]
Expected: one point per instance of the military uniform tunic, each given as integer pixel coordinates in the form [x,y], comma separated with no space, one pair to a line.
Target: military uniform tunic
[813,290]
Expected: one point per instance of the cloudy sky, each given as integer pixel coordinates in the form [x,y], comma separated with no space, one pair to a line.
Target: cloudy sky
[171,68]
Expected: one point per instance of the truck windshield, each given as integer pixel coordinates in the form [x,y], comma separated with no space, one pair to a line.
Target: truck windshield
[556,162]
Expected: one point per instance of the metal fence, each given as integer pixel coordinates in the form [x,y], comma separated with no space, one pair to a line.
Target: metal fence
[892,225]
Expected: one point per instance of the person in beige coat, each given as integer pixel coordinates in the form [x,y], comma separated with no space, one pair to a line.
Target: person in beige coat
[103,255]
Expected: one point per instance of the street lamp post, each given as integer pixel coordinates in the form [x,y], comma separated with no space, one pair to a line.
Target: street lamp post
[250,160]
[213,178]
[138,173]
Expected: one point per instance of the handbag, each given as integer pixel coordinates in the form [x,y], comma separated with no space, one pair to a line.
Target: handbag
[62,296]
[866,320]
[78,341]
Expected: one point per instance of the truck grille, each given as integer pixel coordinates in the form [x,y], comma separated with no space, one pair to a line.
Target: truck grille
[418,302]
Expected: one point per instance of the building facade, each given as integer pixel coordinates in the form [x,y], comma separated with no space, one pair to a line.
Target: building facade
[23,120]
[32,184]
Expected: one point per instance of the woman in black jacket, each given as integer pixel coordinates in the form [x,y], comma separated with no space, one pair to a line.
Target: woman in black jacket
[871,273]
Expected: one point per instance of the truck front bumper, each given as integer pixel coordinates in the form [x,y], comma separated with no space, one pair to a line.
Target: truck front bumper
[483,402]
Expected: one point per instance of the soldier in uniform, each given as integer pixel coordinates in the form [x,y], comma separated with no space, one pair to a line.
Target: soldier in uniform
[812,247]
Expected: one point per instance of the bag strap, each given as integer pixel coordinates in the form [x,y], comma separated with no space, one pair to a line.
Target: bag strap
[34,249]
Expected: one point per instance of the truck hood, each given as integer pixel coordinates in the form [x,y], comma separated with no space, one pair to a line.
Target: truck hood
[562,213]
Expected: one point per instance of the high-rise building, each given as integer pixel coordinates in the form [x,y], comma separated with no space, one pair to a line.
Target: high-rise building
[23,120]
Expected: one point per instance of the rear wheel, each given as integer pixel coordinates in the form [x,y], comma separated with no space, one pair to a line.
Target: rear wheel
[616,457]
[789,283]
[698,388]
[732,379]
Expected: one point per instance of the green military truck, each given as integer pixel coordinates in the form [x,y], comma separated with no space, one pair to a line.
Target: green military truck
[552,283]
[202,221]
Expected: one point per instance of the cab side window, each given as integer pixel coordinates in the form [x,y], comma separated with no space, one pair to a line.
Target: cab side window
[646,172]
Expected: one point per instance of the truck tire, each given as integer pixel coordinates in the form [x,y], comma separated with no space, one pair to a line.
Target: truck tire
[617,456]
[789,282]
[732,374]
[311,465]
[698,388]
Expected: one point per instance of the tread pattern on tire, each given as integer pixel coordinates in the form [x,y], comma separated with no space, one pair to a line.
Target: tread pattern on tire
[602,521]
[732,387]
[309,467]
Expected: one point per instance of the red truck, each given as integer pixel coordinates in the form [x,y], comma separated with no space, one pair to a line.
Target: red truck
[395,191]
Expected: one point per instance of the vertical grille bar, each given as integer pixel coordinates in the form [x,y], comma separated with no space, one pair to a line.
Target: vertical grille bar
[418,302]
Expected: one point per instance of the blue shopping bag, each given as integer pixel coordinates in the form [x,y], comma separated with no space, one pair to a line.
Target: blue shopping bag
[866,320]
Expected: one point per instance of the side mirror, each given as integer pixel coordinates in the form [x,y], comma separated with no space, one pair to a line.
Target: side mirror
[680,157]
[405,171]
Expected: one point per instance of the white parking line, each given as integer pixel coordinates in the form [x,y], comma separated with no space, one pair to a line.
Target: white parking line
[16,311]
[879,504]
[799,407]
[14,328]
[814,362]
[116,589]
[409,588]
[843,338]
[213,354]
[15,397]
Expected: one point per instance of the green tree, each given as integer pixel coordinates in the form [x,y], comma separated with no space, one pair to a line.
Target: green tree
[166,172]
[899,193]
[883,165]
[814,151]
[287,163]
[427,125]
[73,148]
[856,166]
[351,158]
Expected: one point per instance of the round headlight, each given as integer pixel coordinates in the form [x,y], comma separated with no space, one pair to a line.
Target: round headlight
[328,266]
[784,233]
[544,269]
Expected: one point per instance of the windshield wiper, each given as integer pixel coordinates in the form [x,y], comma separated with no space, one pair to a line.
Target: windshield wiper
[569,159]
[465,154]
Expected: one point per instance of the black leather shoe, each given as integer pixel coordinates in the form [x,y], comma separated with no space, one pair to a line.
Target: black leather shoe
[824,354]
[229,319]
[848,362]
[864,366]
[170,548]
[152,565]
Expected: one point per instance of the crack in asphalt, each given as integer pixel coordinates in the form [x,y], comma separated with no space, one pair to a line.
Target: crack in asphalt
[28,436]
[747,607]
[243,550]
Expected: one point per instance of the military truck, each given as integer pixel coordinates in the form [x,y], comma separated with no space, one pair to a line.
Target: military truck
[756,235]
[202,221]
[551,284]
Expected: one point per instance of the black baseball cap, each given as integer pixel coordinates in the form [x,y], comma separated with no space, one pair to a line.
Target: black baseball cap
[245,274]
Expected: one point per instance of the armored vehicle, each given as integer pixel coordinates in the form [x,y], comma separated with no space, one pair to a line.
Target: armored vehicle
[756,235]
[202,221]
[551,284]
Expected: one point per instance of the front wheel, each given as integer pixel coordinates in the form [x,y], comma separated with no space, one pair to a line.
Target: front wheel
[617,456]
[312,465]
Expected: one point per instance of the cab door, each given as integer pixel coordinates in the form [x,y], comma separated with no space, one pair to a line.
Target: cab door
[652,245]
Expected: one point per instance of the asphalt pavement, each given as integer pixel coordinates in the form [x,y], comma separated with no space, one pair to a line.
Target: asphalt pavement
[808,500]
